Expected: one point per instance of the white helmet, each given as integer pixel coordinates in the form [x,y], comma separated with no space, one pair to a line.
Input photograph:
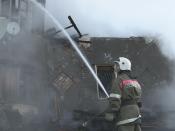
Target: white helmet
[124,63]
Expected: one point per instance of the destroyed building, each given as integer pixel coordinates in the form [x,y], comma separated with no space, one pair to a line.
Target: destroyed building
[45,83]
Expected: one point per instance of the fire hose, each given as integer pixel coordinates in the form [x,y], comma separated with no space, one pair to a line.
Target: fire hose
[101,115]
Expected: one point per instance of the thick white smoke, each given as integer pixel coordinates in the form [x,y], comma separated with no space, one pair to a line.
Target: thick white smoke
[124,18]
[120,18]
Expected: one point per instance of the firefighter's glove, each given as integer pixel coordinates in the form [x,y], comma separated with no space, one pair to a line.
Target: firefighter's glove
[109,116]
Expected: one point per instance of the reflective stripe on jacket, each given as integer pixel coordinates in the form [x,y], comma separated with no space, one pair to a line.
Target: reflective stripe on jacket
[126,121]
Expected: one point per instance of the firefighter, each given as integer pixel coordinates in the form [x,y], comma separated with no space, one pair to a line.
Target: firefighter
[124,100]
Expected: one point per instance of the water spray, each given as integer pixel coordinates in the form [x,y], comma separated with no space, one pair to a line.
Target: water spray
[73,44]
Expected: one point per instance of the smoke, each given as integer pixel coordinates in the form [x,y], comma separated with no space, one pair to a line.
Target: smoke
[162,105]
[124,18]
[120,18]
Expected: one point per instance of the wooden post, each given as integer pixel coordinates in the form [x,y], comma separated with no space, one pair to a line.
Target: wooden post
[0,7]
[17,4]
[10,10]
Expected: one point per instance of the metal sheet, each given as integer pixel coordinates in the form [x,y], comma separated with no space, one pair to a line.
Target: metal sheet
[63,82]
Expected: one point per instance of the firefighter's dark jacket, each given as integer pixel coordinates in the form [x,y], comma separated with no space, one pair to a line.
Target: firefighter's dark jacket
[124,98]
